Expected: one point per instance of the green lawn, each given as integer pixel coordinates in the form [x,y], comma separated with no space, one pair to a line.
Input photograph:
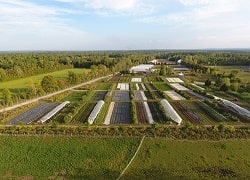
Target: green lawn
[64,157]
[170,159]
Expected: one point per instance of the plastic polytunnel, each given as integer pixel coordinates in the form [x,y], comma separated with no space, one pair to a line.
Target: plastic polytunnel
[53,112]
[95,112]
[170,112]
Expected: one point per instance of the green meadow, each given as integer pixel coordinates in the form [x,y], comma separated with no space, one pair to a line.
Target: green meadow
[173,159]
[23,83]
[243,71]
[44,157]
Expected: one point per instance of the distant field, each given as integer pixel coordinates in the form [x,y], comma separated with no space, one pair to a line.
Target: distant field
[169,159]
[26,82]
[23,83]
[243,71]
[105,158]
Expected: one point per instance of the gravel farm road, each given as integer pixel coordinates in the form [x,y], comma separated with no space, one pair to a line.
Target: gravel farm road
[52,94]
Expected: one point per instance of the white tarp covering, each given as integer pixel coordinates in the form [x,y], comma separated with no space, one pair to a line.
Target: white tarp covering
[174,95]
[142,68]
[95,112]
[179,87]
[170,112]
[108,116]
[174,80]
[53,112]
[123,86]
[136,80]
[148,113]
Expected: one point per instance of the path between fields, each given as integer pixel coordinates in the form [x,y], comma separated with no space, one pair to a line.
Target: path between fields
[131,159]
[52,94]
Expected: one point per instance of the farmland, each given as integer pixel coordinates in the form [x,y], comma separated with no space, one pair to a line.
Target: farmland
[164,159]
[87,158]
[68,157]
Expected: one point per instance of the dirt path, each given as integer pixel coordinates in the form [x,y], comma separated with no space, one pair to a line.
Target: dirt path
[52,94]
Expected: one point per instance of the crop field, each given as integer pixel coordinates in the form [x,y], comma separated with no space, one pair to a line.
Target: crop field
[154,79]
[84,112]
[59,117]
[156,114]
[162,86]
[174,95]
[198,112]
[99,95]
[140,96]
[121,113]
[92,158]
[64,157]
[171,159]
[121,96]
[141,113]
[33,114]
[186,113]
[148,95]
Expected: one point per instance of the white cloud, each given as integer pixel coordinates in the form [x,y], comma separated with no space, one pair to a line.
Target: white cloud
[115,7]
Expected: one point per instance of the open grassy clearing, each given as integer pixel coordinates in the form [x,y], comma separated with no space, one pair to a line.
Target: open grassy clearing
[243,71]
[64,157]
[26,82]
[169,159]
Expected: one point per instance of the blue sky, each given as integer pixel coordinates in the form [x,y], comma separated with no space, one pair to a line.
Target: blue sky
[123,24]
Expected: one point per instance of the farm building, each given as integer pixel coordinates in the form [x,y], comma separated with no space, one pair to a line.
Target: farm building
[162,61]
[142,68]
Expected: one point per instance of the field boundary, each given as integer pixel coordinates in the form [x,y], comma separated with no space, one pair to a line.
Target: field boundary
[124,170]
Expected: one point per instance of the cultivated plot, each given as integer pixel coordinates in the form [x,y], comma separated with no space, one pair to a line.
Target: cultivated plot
[174,95]
[141,113]
[99,95]
[121,113]
[179,87]
[121,96]
[140,96]
[187,113]
[33,114]
[136,80]
[174,80]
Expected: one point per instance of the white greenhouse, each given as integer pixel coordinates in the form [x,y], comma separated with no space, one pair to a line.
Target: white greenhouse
[95,112]
[170,112]
[142,68]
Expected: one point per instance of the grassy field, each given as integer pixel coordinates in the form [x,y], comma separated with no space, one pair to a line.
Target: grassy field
[64,157]
[26,82]
[105,158]
[169,159]
[243,71]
